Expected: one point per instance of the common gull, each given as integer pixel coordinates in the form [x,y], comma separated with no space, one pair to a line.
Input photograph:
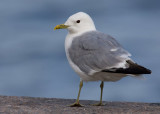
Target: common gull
[96,56]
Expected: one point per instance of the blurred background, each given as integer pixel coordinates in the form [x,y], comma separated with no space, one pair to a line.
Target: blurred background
[32,56]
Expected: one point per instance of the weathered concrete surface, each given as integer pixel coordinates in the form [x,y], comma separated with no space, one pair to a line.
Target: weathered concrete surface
[30,105]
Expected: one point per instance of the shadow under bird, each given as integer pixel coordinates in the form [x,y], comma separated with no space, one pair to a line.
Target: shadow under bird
[96,56]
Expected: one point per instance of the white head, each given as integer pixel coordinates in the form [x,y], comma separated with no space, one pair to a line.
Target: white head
[79,23]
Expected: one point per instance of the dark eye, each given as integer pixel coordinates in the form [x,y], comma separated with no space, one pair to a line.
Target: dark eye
[78,21]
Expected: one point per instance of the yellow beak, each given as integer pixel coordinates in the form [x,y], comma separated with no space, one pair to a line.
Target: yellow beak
[61,26]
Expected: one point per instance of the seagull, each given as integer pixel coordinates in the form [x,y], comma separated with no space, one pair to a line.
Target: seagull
[96,56]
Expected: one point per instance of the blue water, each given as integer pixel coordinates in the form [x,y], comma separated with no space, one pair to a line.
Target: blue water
[32,56]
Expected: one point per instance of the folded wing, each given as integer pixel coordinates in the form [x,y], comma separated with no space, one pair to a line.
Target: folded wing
[95,52]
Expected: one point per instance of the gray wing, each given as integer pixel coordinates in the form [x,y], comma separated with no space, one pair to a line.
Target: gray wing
[95,51]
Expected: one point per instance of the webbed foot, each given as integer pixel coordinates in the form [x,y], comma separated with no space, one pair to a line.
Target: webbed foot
[98,104]
[76,105]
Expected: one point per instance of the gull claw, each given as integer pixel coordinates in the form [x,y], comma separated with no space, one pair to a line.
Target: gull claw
[98,104]
[76,105]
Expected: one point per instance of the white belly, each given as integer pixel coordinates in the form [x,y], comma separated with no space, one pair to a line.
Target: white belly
[99,76]
[68,42]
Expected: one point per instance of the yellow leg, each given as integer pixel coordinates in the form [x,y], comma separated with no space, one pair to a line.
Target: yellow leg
[100,103]
[77,104]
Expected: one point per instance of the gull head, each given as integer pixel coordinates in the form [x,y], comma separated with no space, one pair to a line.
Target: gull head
[78,23]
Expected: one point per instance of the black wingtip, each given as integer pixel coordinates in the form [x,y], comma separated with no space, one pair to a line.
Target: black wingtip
[139,69]
[148,71]
[133,68]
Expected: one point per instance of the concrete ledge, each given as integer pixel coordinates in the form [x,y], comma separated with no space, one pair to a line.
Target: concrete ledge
[30,105]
